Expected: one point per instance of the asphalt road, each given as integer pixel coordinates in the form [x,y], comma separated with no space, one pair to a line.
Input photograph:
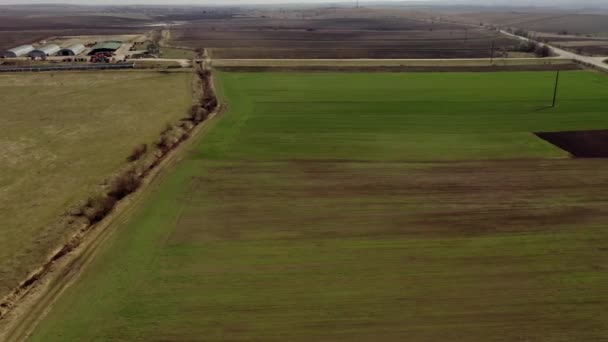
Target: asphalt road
[596,61]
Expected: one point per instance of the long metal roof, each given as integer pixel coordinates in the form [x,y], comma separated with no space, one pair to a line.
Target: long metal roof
[21,50]
[75,48]
[49,49]
[111,45]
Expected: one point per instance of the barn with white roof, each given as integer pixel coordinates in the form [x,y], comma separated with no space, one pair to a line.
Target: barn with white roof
[72,50]
[18,51]
[45,51]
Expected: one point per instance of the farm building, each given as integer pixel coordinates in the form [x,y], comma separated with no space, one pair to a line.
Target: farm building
[72,50]
[45,51]
[110,46]
[18,51]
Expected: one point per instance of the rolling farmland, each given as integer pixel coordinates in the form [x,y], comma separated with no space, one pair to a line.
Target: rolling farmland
[364,206]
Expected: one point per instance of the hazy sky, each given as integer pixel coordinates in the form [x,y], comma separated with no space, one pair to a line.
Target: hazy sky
[202,2]
[206,2]
[567,3]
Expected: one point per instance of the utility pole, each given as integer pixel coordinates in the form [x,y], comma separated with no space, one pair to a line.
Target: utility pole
[492,53]
[555,89]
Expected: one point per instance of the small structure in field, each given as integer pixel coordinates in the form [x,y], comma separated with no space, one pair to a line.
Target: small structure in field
[18,51]
[109,46]
[45,51]
[72,50]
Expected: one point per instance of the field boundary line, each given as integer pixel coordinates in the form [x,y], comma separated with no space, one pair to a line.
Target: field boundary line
[438,63]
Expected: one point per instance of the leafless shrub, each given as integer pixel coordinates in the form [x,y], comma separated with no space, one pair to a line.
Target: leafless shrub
[168,127]
[542,51]
[193,110]
[201,115]
[209,102]
[137,152]
[98,207]
[124,184]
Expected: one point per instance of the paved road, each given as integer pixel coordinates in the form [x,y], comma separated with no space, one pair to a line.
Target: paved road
[596,61]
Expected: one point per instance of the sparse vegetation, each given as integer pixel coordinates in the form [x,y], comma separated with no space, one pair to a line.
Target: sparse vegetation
[137,152]
[98,207]
[521,33]
[540,50]
[527,47]
[126,183]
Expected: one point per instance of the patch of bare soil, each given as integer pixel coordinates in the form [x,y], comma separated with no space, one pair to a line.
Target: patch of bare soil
[581,144]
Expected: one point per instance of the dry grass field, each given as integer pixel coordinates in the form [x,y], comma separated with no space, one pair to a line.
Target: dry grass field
[64,134]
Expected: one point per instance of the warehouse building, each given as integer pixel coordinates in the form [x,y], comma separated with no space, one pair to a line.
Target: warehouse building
[72,50]
[110,46]
[18,51]
[45,51]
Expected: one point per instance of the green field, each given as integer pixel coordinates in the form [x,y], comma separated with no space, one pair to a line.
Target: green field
[63,135]
[372,207]
[401,116]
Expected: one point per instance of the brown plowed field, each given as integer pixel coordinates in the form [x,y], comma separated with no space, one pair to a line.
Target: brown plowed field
[338,38]
[582,144]
[15,31]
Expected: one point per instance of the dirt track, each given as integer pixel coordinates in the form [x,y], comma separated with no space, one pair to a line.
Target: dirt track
[396,65]
[390,62]
[495,68]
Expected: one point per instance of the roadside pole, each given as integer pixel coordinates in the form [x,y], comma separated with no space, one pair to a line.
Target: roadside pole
[555,89]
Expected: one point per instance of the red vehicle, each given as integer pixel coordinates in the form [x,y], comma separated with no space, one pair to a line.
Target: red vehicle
[102,57]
